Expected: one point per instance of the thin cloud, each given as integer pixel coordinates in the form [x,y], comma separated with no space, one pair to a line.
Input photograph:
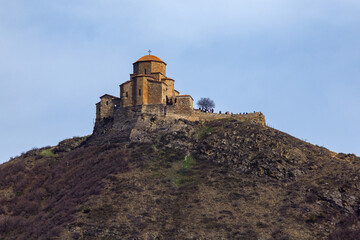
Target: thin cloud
[58,57]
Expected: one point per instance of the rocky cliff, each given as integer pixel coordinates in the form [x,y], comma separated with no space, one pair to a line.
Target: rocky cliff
[157,178]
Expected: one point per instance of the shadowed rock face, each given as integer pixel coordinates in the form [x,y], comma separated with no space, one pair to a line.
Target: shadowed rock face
[152,178]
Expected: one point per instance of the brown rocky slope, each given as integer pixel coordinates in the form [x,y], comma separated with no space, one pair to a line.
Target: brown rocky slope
[175,179]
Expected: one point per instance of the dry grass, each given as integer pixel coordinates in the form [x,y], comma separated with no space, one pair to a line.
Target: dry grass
[235,181]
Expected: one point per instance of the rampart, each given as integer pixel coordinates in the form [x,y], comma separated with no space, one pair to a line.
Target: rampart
[122,114]
[197,115]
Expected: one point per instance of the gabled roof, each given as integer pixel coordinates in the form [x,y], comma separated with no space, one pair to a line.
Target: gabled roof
[108,96]
[156,81]
[185,96]
[125,82]
[141,75]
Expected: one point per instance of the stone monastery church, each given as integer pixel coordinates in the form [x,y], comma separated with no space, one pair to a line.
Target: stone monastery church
[149,90]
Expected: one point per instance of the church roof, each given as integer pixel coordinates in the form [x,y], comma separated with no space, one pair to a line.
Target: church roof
[148,58]
[185,96]
[108,95]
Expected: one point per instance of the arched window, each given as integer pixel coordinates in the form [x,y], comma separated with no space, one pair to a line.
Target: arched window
[145,70]
[127,95]
[107,102]
[139,92]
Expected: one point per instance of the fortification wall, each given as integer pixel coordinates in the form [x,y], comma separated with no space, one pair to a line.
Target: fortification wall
[197,115]
[132,112]
[182,106]
[128,114]
[162,111]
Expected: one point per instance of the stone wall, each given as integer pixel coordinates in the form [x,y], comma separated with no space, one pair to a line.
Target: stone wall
[155,90]
[255,117]
[126,93]
[182,105]
[157,76]
[136,111]
[170,87]
[105,108]
[142,68]
[169,111]
[144,90]
[197,115]
[158,67]
[123,124]
[137,84]
[150,67]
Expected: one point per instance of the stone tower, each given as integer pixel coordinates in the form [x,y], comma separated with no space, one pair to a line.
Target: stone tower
[148,84]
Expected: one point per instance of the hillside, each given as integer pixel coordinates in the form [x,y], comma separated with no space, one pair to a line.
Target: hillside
[176,179]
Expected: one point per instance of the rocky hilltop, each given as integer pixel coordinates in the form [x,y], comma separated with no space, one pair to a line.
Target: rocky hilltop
[157,178]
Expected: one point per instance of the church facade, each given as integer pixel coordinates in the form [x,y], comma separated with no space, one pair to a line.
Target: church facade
[149,90]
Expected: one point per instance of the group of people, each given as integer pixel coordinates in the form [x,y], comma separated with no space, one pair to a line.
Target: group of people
[227,113]
[207,110]
[243,113]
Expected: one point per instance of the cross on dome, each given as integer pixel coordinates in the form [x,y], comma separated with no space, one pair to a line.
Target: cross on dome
[149,51]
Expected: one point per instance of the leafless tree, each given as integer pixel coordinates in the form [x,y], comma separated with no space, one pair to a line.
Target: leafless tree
[206,104]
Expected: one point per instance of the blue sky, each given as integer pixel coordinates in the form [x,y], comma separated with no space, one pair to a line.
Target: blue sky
[296,61]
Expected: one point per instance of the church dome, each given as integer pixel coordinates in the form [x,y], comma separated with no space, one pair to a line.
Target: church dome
[148,58]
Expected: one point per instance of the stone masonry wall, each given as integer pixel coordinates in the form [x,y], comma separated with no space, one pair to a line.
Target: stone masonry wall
[142,68]
[105,108]
[125,119]
[198,115]
[183,105]
[170,87]
[149,67]
[162,111]
[158,67]
[155,91]
[126,94]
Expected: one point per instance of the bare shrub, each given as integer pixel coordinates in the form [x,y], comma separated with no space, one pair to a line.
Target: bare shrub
[280,235]
[24,207]
[52,190]
[76,235]
[347,233]
[345,229]
[10,223]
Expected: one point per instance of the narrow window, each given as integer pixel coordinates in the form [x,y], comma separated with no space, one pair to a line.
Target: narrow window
[127,94]
[145,70]
[139,92]
[107,102]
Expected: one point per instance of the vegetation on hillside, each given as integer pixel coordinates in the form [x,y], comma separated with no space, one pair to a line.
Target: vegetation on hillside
[219,179]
